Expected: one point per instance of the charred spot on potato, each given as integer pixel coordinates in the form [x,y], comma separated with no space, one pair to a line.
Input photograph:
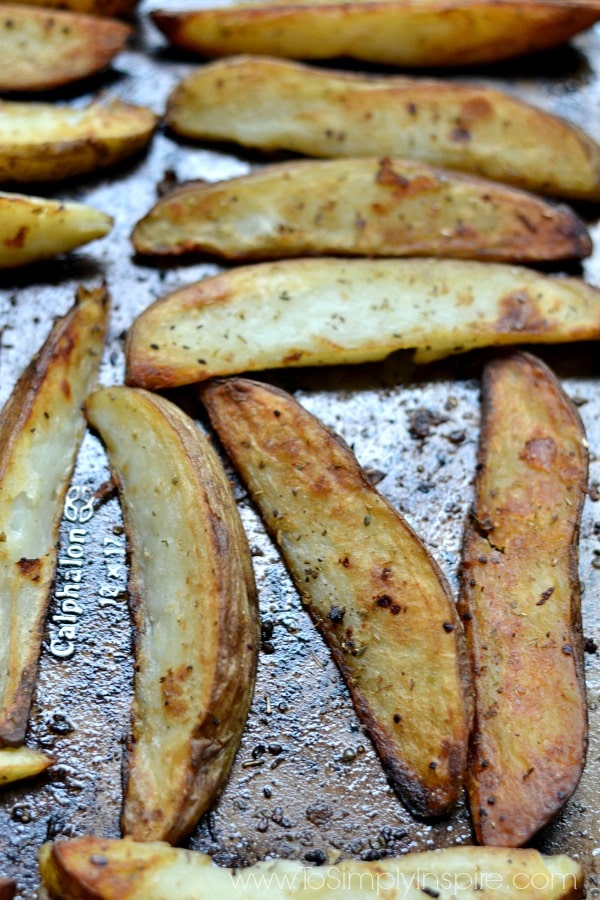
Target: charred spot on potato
[519,313]
[541,453]
[174,691]
[30,568]
[545,596]
[19,239]
[460,135]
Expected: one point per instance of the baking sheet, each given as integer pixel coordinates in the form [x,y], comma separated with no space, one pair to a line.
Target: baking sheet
[306,782]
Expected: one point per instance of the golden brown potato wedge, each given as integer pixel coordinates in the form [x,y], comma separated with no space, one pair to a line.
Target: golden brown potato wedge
[41,427]
[104,869]
[359,207]
[397,32]
[46,142]
[33,228]
[194,608]
[17,763]
[8,888]
[274,104]
[520,600]
[368,582]
[323,312]
[42,49]
[91,7]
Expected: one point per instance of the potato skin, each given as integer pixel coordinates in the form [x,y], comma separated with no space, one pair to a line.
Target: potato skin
[520,601]
[46,142]
[41,427]
[396,32]
[276,104]
[193,601]
[43,49]
[368,582]
[359,207]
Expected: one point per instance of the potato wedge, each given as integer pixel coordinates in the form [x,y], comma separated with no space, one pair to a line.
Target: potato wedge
[368,582]
[46,142]
[91,7]
[33,228]
[274,104]
[359,207]
[194,608]
[43,49]
[329,311]
[520,597]
[17,763]
[41,427]
[107,869]
[8,888]
[396,32]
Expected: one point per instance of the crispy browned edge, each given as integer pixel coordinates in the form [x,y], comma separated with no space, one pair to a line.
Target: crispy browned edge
[13,417]
[210,760]
[489,375]
[417,796]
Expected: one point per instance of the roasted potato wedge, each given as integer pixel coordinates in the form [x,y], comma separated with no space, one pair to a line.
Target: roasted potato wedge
[8,888]
[330,311]
[194,608]
[18,763]
[91,7]
[41,427]
[33,228]
[123,870]
[42,49]
[520,600]
[45,142]
[273,104]
[368,582]
[356,207]
[396,32]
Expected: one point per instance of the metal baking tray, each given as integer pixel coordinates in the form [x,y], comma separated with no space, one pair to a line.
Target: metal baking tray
[306,783]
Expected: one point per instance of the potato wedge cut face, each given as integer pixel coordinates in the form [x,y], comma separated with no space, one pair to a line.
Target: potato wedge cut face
[396,32]
[355,207]
[273,104]
[71,871]
[33,228]
[520,591]
[43,49]
[17,763]
[368,582]
[194,609]
[41,427]
[46,142]
[328,311]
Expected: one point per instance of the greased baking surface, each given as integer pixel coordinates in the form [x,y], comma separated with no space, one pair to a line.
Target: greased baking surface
[306,782]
